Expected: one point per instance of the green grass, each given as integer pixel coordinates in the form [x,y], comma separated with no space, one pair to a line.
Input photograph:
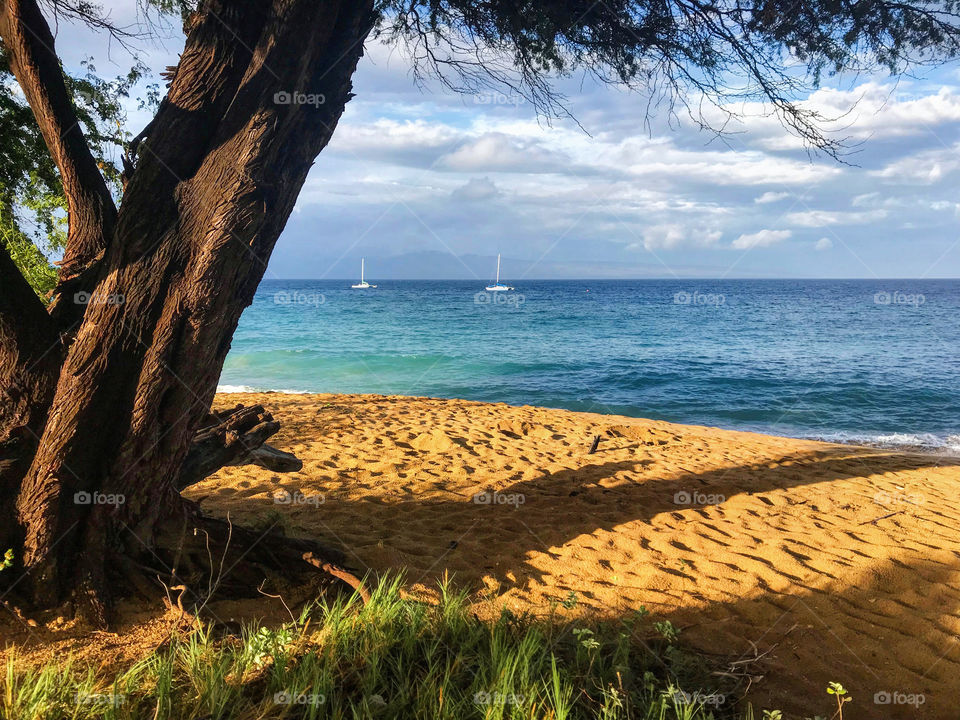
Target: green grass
[392,658]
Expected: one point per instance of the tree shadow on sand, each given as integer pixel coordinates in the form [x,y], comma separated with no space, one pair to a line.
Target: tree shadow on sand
[835,594]
[832,581]
[505,522]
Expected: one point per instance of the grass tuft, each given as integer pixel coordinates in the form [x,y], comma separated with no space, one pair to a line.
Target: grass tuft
[391,658]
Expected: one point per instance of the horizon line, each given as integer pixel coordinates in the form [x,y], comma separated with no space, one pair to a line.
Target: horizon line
[632,279]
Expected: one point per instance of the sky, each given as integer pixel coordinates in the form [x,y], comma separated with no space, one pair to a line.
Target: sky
[426,183]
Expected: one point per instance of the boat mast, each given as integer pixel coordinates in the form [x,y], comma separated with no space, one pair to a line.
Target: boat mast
[361,271]
[498,269]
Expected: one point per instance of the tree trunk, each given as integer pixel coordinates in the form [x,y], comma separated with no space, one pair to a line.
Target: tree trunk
[30,356]
[214,183]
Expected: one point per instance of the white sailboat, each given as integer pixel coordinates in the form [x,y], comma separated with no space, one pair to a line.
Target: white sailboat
[497,287]
[363,284]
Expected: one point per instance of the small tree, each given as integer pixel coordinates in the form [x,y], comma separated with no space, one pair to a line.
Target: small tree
[113,396]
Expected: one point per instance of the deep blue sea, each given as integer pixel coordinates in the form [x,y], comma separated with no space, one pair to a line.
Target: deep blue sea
[874,361]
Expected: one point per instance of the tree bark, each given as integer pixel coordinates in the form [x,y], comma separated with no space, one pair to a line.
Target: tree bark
[30,356]
[215,181]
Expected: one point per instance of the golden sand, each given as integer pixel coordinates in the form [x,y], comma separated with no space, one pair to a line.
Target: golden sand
[826,562]
[831,562]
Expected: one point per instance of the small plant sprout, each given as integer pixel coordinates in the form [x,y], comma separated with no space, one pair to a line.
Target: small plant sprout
[667,631]
[840,692]
[772,715]
[586,639]
[570,601]
[7,560]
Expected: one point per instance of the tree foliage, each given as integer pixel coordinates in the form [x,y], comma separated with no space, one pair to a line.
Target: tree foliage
[679,50]
[33,220]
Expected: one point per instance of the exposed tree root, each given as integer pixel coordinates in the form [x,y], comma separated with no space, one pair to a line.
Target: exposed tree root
[206,558]
[19,614]
[176,553]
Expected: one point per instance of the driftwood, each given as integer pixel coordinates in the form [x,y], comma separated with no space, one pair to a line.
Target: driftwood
[594,445]
[234,437]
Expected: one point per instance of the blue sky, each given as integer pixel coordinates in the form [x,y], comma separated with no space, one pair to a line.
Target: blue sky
[432,184]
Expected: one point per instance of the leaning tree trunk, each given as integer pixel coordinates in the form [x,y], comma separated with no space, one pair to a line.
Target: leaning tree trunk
[215,180]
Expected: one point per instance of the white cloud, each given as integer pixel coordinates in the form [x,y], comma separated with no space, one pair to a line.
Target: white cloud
[878,110]
[823,243]
[476,189]
[871,199]
[409,142]
[870,111]
[925,168]
[497,152]
[719,168]
[823,218]
[672,235]
[763,238]
[771,197]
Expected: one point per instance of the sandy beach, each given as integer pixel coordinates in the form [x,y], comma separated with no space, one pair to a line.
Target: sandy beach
[829,562]
[793,562]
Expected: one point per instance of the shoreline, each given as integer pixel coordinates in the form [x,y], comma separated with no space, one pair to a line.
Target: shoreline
[912,443]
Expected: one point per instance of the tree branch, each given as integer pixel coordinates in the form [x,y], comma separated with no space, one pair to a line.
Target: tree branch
[234,437]
[27,38]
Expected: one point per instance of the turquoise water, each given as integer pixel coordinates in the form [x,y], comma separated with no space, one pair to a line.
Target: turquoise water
[866,361]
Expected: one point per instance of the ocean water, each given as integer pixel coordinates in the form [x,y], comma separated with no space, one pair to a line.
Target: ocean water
[861,361]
